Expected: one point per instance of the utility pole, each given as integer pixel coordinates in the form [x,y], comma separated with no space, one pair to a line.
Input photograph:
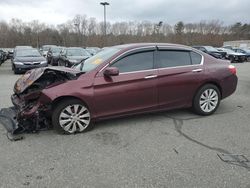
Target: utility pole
[105,24]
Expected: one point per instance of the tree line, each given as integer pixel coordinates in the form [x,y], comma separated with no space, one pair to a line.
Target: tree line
[84,31]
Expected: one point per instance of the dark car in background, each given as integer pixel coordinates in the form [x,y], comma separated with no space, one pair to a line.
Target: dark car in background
[2,57]
[233,56]
[53,55]
[211,51]
[26,59]
[72,56]
[245,51]
[120,81]
[10,53]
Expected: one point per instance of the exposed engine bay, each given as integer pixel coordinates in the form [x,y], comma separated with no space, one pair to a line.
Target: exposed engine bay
[28,114]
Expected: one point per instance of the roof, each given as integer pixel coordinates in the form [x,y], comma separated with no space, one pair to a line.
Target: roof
[138,45]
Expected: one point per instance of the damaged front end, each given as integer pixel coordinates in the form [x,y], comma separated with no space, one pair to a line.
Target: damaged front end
[29,114]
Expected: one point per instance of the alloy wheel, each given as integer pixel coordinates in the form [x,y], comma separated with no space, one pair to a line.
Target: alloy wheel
[74,118]
[209,100]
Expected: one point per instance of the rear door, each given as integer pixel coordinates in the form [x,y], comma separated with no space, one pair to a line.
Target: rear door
[180,72]
[134,89]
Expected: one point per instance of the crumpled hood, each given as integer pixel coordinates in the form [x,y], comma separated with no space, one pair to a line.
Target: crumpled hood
[32,75]
[29,59]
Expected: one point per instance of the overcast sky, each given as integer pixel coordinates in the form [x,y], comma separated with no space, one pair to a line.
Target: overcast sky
[168,11]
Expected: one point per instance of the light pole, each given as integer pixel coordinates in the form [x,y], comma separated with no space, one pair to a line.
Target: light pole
[104,5]
[77,25]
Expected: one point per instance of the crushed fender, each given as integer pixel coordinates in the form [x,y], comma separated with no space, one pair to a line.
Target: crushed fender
[29,114]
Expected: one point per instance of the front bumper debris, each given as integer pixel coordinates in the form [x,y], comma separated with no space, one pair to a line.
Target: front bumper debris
[9,121]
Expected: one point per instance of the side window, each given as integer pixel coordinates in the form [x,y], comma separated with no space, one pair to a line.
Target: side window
[135,62]
[173,58]
[196,58]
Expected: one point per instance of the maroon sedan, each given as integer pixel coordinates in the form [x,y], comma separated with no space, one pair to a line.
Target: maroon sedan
[119,81]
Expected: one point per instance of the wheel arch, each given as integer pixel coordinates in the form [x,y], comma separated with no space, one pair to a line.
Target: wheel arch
[206,83]
[56,101]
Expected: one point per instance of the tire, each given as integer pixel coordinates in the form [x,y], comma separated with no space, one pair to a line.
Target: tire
[16,71]
[231,59]
[66,121]
[207,100]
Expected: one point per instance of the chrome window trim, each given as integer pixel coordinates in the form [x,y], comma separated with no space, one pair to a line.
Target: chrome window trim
[138,71]
[184,49]
[111,62]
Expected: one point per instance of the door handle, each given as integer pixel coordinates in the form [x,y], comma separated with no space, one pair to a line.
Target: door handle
[197,70]
[150,76]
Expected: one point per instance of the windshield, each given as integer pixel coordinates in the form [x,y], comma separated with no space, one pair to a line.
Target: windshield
[97,59]
[211,49]
[46,48]
[246,50]
[228,50]
[28,53]
[77,52]
[56,50]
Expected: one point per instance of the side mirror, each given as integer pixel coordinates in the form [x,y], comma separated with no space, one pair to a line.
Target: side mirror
[111,71]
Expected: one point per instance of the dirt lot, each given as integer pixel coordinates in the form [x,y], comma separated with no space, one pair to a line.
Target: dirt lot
[169,149]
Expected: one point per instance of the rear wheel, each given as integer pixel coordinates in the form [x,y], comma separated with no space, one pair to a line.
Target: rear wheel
[71,116]
[207,100]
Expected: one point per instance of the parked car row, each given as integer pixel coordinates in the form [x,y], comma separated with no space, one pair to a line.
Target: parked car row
[233,54]
[24,58]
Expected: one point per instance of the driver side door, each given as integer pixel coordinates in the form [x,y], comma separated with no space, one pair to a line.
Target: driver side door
[133,90]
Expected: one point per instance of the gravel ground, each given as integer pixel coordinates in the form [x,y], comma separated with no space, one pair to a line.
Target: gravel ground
[168,149]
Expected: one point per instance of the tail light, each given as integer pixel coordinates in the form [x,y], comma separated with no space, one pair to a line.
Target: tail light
[232,69]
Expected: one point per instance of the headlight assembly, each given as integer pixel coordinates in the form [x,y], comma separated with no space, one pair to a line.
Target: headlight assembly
[18,63]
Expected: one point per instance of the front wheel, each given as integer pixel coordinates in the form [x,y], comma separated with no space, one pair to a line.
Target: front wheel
[71,116]
[207,100]
[231,59]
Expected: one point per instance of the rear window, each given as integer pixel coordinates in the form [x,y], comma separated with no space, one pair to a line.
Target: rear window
[173,58]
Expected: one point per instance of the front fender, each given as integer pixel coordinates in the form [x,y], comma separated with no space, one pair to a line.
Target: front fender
[74,88]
